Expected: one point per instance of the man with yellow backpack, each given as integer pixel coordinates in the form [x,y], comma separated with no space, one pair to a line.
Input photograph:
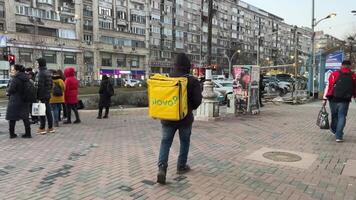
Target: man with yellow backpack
[187,98]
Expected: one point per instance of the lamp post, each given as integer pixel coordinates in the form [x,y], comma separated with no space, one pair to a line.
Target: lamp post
[314,24]
[230,61]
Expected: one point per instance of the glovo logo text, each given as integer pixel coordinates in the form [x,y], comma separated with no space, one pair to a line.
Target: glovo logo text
[165,102]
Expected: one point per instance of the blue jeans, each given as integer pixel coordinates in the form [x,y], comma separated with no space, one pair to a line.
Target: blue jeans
[56,107]
[338,117]
[168,133]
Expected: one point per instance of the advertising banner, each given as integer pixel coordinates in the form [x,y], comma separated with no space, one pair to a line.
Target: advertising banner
[333,63]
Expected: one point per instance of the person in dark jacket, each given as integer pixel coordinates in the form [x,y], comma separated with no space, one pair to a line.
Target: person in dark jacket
[261,90]
[31,76]
[17,108]
[106,91]
[181,69]
[44,88]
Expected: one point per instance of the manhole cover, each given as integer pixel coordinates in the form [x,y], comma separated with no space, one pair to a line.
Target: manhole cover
[279,156]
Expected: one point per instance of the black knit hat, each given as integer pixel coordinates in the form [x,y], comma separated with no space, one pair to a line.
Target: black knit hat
[182,63]
[41,62]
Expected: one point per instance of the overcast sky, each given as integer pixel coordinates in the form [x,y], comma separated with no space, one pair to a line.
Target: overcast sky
[298,12]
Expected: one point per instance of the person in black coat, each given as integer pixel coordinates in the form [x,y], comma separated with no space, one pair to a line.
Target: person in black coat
[106,91]
[181,68]
[17,108]
[44,89]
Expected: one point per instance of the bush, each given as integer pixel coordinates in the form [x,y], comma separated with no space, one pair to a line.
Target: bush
[132,98]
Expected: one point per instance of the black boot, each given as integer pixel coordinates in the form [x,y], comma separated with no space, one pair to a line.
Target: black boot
[100,113]
[106,113]
[27,133]
[161,176]
[12,129]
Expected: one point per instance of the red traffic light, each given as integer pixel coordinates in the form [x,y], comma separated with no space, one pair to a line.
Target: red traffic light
[11,58]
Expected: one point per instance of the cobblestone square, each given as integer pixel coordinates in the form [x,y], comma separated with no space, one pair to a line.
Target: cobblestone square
[116,158]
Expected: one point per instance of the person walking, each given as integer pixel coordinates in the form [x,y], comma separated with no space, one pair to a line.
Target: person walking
[339,92]
[181,69]
[57,96]
[261,90]
[44,88]
[71,95]
[106,91]
[17,108]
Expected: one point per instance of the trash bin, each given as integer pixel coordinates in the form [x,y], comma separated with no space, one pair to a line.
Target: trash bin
[231,104]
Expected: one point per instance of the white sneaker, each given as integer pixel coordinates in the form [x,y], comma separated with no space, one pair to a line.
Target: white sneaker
[339,140]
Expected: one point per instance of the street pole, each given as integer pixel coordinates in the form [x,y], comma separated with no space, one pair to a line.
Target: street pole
[311,76]
[209,109]
[258,50]
[201,33]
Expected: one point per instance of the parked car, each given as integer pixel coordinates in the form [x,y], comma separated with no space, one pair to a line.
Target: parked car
[3,83]
[134,83]
[222,88]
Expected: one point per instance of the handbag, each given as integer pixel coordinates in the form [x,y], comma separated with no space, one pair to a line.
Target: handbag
[38,109]
[80,105]
[323,119]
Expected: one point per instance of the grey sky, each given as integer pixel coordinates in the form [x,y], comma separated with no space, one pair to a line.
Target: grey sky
[298,12]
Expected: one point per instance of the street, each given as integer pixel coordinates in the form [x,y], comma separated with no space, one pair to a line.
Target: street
[116,159]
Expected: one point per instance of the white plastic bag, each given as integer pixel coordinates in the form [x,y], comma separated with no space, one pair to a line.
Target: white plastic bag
[38,109]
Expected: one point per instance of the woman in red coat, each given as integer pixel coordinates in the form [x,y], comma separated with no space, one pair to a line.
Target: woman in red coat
[71,95]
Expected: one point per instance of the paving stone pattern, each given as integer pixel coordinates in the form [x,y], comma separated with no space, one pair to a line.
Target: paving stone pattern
[116,159]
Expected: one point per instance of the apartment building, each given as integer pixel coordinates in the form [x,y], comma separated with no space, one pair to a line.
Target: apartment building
[94,36]
[139,37]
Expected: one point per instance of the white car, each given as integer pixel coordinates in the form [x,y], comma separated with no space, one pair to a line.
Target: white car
[223,88]
[132,83]
[3,83]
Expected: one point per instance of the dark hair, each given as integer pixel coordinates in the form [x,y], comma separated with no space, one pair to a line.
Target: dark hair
[42,62]
[346,63]
[29,69]
[19,68]
[60,73]
[105,77]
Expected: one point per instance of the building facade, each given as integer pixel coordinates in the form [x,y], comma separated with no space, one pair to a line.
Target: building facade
[139,37]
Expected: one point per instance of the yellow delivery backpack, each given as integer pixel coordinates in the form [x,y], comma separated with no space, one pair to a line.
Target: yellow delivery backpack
[167,97]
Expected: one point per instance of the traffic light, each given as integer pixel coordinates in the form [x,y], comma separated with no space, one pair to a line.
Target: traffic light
[11,58]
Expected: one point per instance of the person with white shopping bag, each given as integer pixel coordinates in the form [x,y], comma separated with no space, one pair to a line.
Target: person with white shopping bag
[44,88]
[18,108]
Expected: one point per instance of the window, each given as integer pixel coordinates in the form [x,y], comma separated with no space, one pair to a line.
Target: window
[50,56]
[70,58]
[2,11]
[155,69]
[87,11]
[45,1]
[139,31]
[21,28]
[88,25]
[156,29]
[104,11]
[121,15]
[121,61]
[167,32]
[68,34]
[135,62]
[88,38]
[121,2]
[106,59]
[138,18]
[25,56]
[105,24]
[179,45]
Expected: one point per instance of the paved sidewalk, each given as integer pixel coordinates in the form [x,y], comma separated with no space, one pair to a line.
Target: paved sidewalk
[116,159]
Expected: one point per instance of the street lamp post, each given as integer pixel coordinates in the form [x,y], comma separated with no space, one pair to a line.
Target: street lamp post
[351,39]
[230,62]
[314,24]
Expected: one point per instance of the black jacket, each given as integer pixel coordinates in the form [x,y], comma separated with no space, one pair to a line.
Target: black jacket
[105,97]
[16,108]
[44,84]
[194,98]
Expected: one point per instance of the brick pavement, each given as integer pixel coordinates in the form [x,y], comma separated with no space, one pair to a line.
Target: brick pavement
[116,159]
